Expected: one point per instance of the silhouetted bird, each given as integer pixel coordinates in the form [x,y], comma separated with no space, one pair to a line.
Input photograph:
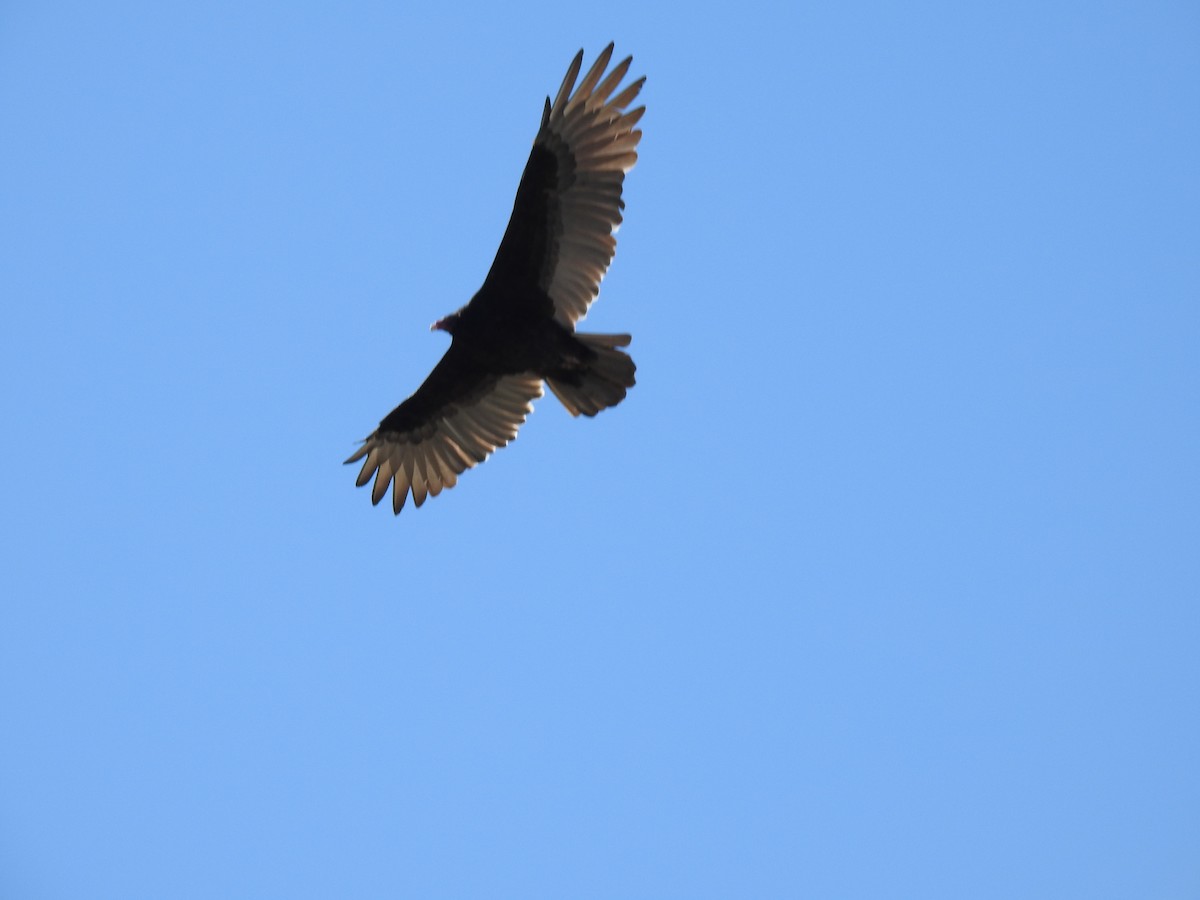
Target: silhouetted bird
[519,328]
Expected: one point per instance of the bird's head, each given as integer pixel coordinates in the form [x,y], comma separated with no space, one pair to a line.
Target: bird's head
[447,324]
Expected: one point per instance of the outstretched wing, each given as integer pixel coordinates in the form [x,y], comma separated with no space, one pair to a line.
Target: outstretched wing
[562,234]
[453,422]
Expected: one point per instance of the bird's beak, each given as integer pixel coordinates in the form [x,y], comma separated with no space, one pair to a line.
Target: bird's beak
[439,325]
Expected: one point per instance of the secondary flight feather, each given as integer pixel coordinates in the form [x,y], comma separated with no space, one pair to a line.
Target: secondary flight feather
[518,331]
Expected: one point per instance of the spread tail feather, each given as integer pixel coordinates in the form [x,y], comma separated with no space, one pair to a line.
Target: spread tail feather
[605,381]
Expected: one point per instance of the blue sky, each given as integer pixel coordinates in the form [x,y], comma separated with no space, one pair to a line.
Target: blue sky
[882,582]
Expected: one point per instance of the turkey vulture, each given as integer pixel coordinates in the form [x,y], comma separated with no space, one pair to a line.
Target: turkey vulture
[519,328]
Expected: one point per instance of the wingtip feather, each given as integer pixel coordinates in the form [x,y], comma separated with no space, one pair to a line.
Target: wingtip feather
[568,82]
[594,73]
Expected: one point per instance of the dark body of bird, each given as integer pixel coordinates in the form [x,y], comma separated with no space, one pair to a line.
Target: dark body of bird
[518,331]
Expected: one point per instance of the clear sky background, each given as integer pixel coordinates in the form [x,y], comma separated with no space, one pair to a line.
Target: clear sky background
[883,582]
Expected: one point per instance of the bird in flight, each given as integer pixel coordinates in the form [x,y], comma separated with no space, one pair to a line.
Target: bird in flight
[518,331]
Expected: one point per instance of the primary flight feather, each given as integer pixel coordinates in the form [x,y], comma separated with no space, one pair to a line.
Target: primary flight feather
[518,331]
